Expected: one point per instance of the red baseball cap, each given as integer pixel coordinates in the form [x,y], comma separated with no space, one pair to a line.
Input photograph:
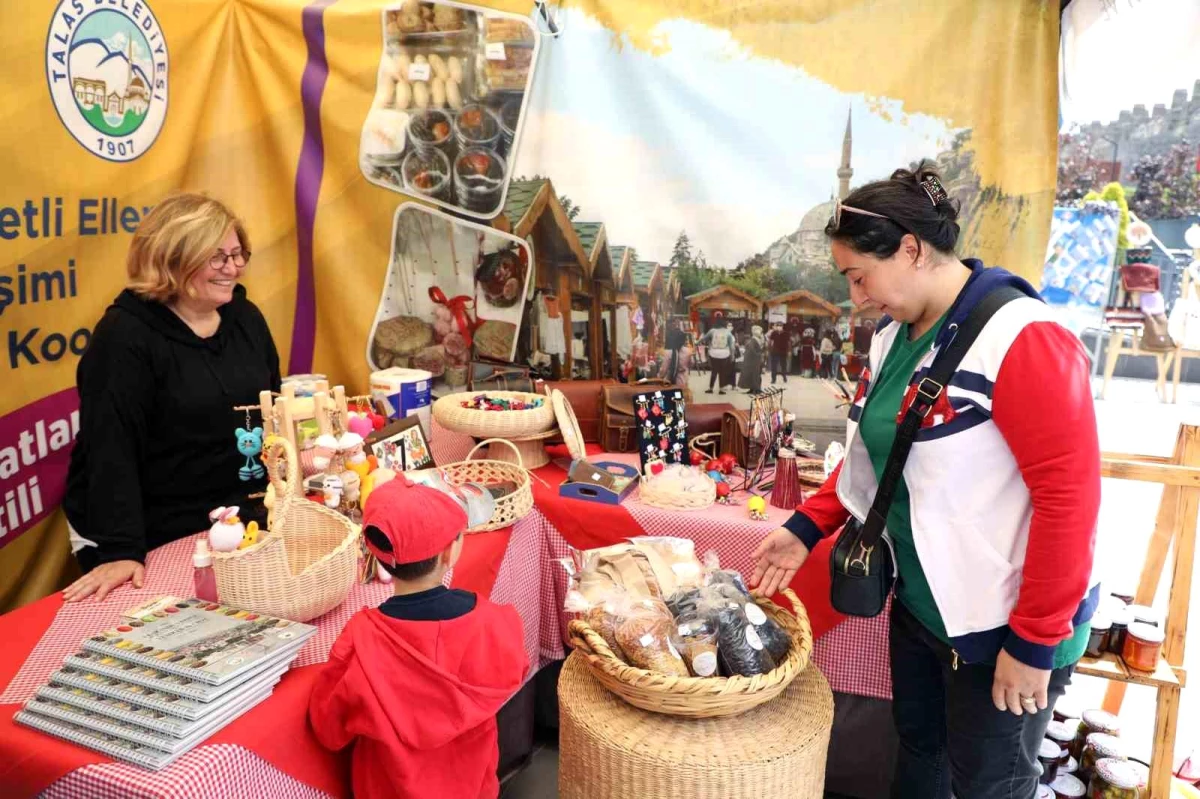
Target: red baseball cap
[419,522]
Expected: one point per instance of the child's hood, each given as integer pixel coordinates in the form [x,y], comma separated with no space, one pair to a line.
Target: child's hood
[440,679]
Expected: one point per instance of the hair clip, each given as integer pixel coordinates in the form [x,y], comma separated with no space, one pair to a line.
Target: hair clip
[933,187]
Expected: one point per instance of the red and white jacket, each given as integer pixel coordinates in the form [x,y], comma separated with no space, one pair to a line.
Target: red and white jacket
[1003,480]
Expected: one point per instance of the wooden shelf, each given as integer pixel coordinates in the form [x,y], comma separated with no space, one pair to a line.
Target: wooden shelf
[1111,667]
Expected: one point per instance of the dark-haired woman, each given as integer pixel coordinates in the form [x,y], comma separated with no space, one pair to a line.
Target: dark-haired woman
[993,524]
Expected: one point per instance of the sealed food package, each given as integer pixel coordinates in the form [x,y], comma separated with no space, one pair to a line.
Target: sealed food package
[686,602]
[740,650]
[698,643]
[645,636]
[673,561]
[774,638]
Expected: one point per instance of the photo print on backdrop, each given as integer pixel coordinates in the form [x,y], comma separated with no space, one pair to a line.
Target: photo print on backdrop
[449,100]
[454,291]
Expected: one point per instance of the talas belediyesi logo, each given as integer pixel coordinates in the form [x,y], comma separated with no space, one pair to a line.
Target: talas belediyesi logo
[107,68]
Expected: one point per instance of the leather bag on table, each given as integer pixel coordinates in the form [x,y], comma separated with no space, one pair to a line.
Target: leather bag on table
[706,418]
[488,376]
[587,400]
[735,435]
[618,424]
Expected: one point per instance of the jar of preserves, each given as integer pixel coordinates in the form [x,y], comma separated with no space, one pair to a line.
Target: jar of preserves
[1045,792]
[1093,721]
[1063,734]
[1099,746]
[1048,754]
[1143,614]
[1120,621]
[1114,779]
[1066,709]
[1070,767]
[1068,787]
[1143,644]
[1098,637]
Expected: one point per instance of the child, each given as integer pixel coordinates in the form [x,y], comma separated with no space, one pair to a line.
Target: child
[415,683]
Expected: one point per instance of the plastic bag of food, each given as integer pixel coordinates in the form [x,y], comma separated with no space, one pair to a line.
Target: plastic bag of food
[740,649]
[714,575]
[697,634]
[673,561]
[645,636]
[774,637]
[605,616]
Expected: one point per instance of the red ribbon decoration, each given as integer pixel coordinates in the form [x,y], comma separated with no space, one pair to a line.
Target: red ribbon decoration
[458,309]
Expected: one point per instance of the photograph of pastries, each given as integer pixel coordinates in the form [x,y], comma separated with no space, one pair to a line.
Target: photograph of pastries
[447,102]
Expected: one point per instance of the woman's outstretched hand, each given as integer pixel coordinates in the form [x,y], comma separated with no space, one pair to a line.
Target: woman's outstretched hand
[776,561]
[105,578]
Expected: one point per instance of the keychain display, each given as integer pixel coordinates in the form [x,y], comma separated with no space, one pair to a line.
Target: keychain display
[250,444]
[662,429]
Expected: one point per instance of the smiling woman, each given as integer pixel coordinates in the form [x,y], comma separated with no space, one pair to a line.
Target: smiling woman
[172,356]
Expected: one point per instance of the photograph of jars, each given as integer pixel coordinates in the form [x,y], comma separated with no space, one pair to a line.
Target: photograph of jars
[476,125]
[510,115]
[428,174]
[479,179]
[432,129]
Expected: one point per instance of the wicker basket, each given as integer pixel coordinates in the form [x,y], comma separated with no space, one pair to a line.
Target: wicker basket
[304,566]
[677,500]
[509,508]
[451,415]
[699,697]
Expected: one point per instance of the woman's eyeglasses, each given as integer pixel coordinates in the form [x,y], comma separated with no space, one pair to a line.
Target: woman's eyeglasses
[220,258]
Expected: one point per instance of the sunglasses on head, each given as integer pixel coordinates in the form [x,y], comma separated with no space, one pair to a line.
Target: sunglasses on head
[931,185]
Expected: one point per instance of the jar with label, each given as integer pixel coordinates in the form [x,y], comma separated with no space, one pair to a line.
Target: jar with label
[1143,645]
[698,643]
[1114,779]
[1068,787]
[1099,746]
[1121,619]
[1048,754]
[1098,637]
[1063,734]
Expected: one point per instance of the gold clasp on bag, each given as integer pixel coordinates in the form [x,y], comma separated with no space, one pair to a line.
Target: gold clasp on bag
[861,560]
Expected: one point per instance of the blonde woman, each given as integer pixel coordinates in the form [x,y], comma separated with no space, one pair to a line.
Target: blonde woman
[168,361]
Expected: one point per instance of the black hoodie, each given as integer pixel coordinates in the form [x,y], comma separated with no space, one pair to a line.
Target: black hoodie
[156,449]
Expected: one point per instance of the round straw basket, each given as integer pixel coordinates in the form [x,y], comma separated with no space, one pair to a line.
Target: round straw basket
[450,414]
[509,508]
[304,566]
[677,500]
[699,697]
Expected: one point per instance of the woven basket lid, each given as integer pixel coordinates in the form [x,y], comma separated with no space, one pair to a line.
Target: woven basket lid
[569,425]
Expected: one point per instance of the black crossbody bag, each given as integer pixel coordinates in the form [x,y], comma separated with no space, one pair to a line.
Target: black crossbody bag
[862,564]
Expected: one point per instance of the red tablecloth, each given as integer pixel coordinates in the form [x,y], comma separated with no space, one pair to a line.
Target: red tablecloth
[271,751]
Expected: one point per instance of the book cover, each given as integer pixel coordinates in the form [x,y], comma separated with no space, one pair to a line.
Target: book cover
[148,677]
[203,641]
[163,700]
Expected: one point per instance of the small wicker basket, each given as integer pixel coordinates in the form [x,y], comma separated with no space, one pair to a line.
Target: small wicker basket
[699,697]
[509,508]
[650,494]
[305,566]
[451,415]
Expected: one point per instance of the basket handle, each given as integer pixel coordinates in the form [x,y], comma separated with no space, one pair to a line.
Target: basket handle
[520,461]
[588,641]
[276,447]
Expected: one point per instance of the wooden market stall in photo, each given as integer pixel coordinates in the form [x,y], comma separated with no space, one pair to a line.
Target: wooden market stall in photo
[562,268]
[648,285]
[720,303]
[601,341]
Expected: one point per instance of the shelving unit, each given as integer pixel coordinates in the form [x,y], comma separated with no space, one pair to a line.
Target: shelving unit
[1174,535]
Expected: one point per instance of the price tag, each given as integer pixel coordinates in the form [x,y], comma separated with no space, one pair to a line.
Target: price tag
[495,51]
[419,71]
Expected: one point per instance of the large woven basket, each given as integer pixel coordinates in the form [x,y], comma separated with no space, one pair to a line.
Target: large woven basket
[451,415]
[304,566]
[699,697]
[510,507]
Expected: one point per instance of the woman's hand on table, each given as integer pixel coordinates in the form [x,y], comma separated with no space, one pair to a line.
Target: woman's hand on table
[104,578]
[776,561]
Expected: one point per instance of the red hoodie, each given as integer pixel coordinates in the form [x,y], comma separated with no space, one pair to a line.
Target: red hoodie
[419,701]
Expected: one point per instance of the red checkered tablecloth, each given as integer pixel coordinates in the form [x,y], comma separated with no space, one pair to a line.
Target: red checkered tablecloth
[853,655]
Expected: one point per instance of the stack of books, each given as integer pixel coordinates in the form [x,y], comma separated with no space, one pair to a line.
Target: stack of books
[167,676]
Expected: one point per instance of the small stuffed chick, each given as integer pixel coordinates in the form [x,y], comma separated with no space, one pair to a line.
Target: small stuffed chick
[251,536]
[227,531]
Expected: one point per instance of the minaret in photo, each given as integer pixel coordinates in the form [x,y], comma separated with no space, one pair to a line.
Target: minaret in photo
[845,172]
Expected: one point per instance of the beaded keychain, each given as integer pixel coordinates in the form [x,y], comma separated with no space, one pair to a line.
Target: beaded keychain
[250,444]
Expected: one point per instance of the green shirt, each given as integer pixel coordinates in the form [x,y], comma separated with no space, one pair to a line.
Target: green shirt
[877,426]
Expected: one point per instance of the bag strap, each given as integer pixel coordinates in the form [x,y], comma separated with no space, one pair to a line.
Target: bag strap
[929,390]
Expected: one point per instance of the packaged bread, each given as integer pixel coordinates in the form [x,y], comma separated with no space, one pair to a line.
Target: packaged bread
[697,636]
[645,636]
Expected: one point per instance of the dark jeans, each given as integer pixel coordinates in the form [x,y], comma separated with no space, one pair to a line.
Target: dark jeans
[778,366]
[952,738]
[721,368]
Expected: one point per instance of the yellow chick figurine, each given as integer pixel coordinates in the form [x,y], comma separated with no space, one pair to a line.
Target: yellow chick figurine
[251,536]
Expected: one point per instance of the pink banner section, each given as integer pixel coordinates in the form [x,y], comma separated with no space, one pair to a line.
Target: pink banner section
[35,448]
